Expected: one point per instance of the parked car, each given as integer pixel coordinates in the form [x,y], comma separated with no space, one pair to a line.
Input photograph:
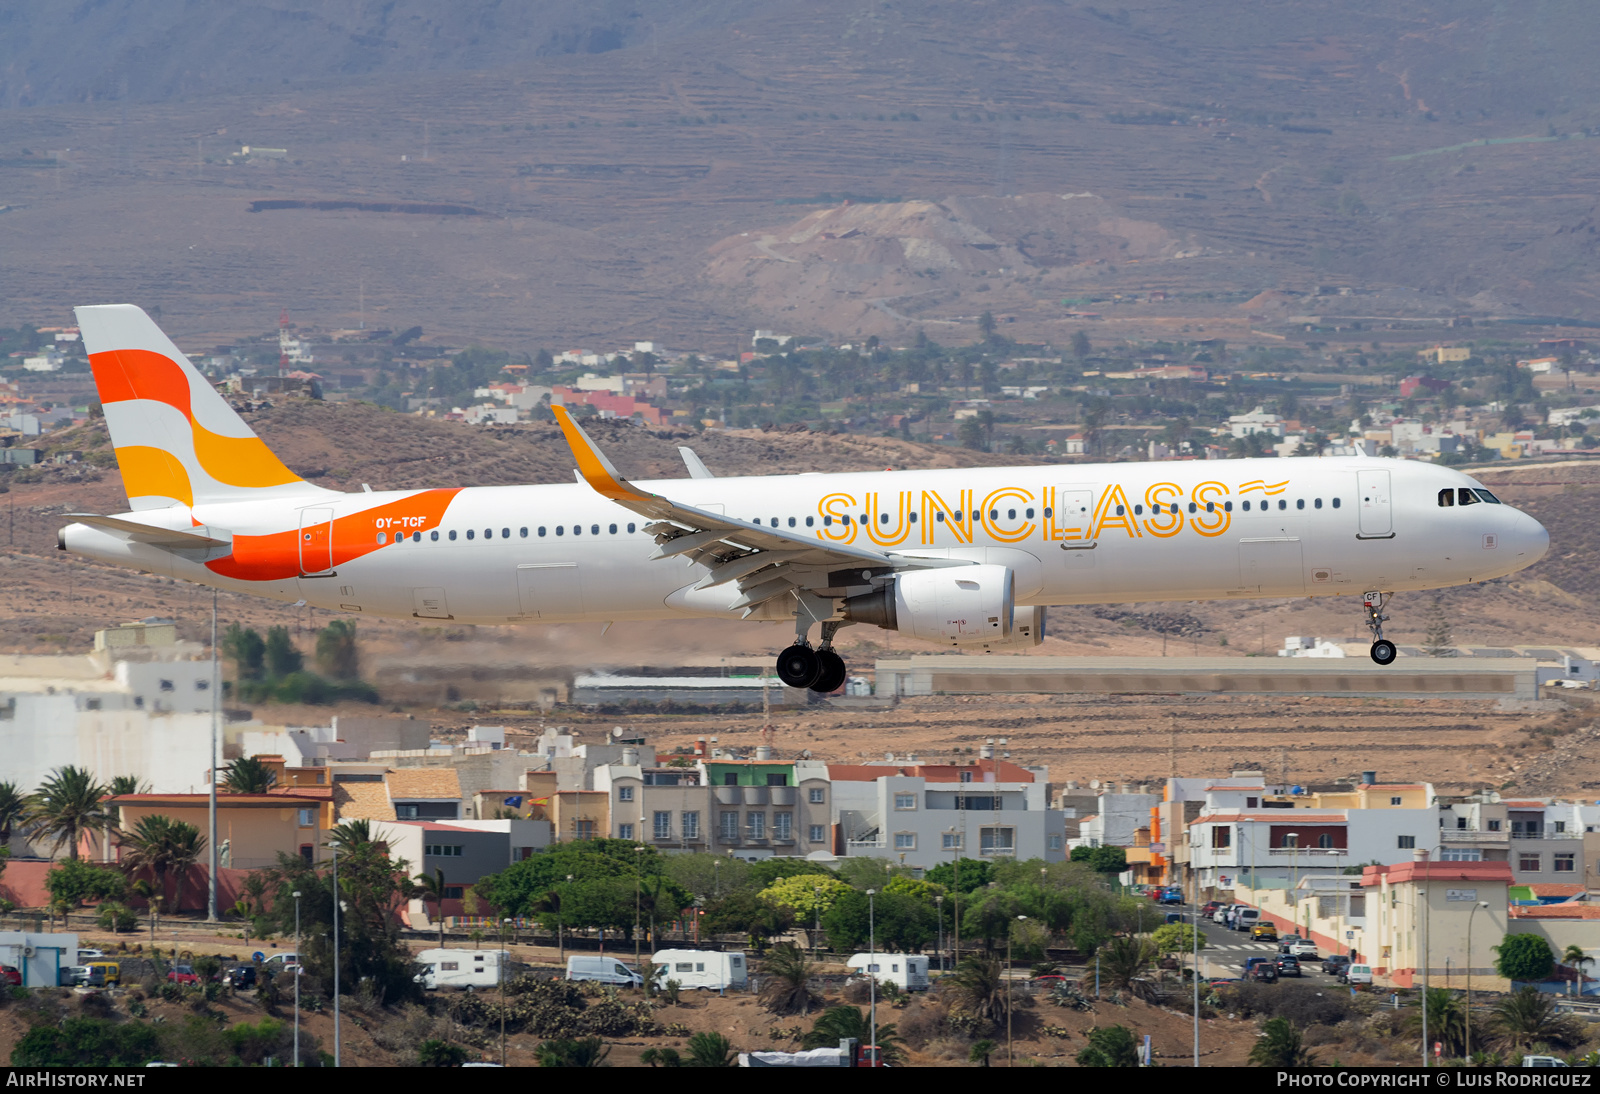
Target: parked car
[1246,919]
[281,961]
[1285,942]
[70,976]
[1288,965]
[1209,909]
[1305,950]
[1265,973]
[1544,1061]
[10,974]
[1356,974]
[1050,979]
[1222,981]
[183,974]
[1170,895]
[85,956]
[1264,932]
[606,970]
[240,977]
[1335,964]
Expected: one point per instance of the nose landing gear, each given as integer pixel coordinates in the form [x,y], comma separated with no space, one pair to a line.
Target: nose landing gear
[1383,650]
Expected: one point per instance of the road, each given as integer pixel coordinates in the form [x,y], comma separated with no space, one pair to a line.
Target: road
[1228,950]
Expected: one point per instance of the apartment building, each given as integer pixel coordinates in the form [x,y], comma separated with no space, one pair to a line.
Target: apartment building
[920,815]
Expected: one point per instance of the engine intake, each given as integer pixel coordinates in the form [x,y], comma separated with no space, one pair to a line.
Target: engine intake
[960,606]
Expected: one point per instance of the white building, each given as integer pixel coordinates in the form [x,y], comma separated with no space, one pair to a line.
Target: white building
[1306,646]
[1259,420]
[921,815]
[37,956]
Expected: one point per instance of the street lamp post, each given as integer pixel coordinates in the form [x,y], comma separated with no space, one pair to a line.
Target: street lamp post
[938,907]
[955,923]
[561,923]
[336,903]
[1010,1059]
[638,865]
[872,971]
[500,959]
[297,978]
[1475,907]
[816,911]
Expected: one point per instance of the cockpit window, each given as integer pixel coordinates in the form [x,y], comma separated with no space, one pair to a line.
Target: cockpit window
[1486,496]
[1447,497]
[1466,496]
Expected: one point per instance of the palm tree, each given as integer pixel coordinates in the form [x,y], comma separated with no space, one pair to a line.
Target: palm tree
[13,810]
[187,845]
[67,806]
[978,988]
[836,1023]
[1576,960]
[981,1051]
[660,1057]
[127,784]
[431,887]
[248,776]
[787,973]
[582,1052]
[149,847]
[711,1050]
[1447,1019]
[351,836]
[1124,959]
[1528,1017]
[1281,1045]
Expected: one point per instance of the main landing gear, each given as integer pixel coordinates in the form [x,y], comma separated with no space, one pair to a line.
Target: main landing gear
[1383,651]
[802,666]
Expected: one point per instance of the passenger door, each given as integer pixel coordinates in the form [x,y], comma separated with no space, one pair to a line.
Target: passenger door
[1372,488]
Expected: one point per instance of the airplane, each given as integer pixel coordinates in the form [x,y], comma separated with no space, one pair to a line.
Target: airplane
[967,558]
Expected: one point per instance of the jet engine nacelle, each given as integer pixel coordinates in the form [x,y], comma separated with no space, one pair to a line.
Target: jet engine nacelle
[1027,629]
[958,605]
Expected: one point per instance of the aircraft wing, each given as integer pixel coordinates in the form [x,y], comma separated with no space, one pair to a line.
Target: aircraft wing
[766,562]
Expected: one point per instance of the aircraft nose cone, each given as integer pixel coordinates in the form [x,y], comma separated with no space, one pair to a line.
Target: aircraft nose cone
[1533,540]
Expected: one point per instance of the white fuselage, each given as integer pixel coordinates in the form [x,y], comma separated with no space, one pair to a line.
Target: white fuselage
[1074,534]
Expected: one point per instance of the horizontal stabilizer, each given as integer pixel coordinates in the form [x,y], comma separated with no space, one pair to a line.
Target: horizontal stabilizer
[201,538]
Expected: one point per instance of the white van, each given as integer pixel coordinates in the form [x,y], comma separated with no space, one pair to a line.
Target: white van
[907,970]
[1356,974]
[467,969]
[1247,918]
[706,969]
[607,970]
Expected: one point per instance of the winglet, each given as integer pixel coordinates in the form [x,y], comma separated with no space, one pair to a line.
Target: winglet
[596,470]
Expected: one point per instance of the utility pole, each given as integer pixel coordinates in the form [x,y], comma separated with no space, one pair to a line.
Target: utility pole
[211,798]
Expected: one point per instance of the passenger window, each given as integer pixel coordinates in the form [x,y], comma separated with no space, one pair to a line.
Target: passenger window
[1029,513]
[883,518]
[613,529]
[1011,514]
[975,515]
[524,533]
[1282,504]
[471,534]
[630,529]
[912,517]
[1047,512]
[809,521]
[1488,497]
[1227,507]
[577,529]
[505,533]
[488,533]
[1119,510]
[938,516]
[1246,507]
[383,537]
[1317,504]
[1466,497]
[863,520]
[1300,503]
[791,522]
[958,514]
[827,522]
[1336,503]
[1193,507]
[541,531]
[434,536]
[452,534]
[1175,508]
[1211,507]
[1138,511]
[560,530]
[416,537]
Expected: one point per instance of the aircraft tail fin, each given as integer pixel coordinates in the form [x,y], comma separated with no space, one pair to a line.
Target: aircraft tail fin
[177,441]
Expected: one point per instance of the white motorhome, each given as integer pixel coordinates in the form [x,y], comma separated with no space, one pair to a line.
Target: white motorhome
[468,969]
[705,969]
[907,970]
[606,970]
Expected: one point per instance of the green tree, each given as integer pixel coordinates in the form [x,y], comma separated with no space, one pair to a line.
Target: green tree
[430,887]
[806,895]
[1281,1045]
[246,650]
[1080,345]
[987,326]
[436,1053]
[1447,1020]
[337,654]
[68,805]
[74,881]
[1124,959]
[660,1057]
[1176,938]
[126,784]
[282,659]
[1576,959]
[897,922]
[711,1050]
[87,1042]
[1524,957]
[766,872]
[248,775]
[837,1023]
[745,912]
[1109,1046]
[980,1052]
[786,975]
[975,874]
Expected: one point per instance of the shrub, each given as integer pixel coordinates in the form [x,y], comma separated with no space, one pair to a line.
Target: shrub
[1525,957]
[115,917]
[87,1042]
[437,1053]
[1110,1046]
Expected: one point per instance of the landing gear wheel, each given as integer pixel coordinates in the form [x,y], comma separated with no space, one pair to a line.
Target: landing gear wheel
[1383,651]
[831,673]
[798,666]
[1372,605]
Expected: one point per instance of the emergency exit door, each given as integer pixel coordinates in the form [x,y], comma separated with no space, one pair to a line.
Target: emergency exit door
[316,542]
